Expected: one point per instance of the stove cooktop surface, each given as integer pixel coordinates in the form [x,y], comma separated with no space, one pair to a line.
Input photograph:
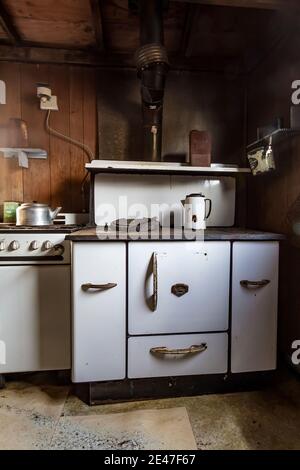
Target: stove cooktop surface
[55,228]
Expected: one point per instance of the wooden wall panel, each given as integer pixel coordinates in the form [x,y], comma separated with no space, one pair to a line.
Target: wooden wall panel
[77,155]
[11,182]
[90,109]
[36,179]
[57,180]
[60,150]
[202,101]
[90,120]
[274,199]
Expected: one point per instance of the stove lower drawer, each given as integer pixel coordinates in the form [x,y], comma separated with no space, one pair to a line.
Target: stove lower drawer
[173,355]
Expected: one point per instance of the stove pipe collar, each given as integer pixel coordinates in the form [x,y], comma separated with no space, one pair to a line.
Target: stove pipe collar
[152,66]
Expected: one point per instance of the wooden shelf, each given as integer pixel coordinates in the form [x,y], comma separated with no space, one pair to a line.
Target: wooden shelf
[112,166]
[277,136]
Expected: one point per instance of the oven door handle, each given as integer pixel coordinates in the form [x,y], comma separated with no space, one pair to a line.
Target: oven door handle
[99,287]
[151,280]
[155,282]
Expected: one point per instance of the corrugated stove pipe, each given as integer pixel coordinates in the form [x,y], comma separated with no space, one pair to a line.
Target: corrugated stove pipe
[152,66]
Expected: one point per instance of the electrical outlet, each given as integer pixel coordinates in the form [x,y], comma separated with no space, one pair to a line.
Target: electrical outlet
[50,104]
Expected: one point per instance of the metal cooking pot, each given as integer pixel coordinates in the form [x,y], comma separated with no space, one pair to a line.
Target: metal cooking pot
[32,213]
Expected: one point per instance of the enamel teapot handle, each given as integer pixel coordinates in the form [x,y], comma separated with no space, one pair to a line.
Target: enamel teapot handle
[209,207]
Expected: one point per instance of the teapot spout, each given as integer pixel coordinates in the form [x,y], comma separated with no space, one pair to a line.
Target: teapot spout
[54,213]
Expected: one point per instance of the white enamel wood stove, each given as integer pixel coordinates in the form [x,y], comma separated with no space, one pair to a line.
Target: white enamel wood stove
[193,308]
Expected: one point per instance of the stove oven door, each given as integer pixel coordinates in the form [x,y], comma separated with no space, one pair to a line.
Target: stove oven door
[178,287]
[34,318]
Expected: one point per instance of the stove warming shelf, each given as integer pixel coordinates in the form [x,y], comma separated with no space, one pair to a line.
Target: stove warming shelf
[113,166]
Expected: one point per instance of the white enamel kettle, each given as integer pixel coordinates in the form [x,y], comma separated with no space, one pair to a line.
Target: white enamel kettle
[197,209]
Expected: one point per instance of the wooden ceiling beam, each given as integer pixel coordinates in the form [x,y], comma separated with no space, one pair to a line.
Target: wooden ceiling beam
[260,4]
[91,58]
[8,26]
[51,55]
[97,19]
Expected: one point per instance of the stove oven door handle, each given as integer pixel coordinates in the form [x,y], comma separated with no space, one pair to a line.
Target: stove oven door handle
[99,287]
[155,281]
[151,294]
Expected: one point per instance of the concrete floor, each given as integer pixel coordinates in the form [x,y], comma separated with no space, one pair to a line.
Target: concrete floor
[264,419]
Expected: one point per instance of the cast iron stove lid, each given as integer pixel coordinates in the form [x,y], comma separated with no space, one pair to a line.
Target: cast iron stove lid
[141,224]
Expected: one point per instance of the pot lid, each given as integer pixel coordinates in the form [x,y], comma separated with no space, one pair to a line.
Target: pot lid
[195,195]
[33,204]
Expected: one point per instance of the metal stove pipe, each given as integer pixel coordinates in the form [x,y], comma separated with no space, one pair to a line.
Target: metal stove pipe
[152,65]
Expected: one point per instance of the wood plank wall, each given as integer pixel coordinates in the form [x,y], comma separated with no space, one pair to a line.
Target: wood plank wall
[192,100]
[55,181]
[274,199]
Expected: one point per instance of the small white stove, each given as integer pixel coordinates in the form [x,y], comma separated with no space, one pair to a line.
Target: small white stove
[35,298]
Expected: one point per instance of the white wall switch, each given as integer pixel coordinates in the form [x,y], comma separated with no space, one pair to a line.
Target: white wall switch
[2,92]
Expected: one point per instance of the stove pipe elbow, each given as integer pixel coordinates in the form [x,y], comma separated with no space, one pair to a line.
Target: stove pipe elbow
[152,66]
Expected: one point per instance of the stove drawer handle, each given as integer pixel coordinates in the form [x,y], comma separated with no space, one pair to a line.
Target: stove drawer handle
[100,287]
[164,351]
[254,284]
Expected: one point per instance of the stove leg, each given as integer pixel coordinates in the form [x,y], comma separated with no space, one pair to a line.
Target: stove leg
[2,381]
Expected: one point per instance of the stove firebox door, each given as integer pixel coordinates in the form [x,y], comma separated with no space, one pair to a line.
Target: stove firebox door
[254,306]
[178,287]
[99,311]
